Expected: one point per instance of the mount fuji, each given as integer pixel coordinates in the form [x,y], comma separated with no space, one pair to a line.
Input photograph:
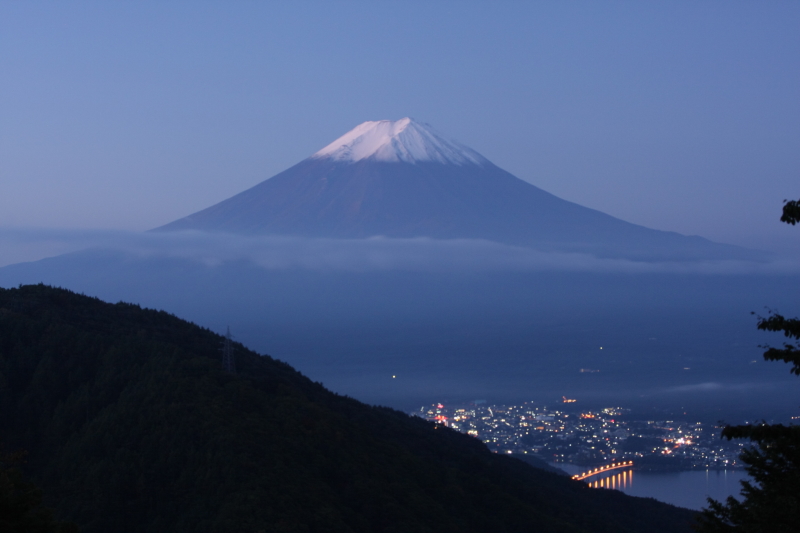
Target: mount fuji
[402,179]
[435,303]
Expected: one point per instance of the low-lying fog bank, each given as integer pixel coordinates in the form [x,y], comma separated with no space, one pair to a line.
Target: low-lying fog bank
[406,322]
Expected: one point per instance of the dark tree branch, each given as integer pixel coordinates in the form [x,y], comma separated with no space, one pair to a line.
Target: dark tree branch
[776,322]
[791,212]
[790,327]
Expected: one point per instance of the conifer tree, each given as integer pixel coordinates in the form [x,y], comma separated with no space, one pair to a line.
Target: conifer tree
[21,509]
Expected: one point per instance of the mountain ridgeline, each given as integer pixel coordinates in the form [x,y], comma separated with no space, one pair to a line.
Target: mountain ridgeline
[402,180]
[132,425]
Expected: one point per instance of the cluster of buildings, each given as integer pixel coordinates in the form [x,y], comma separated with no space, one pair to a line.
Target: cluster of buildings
[568,434]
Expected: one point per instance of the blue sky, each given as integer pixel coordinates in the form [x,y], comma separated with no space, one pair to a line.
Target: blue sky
[680,116]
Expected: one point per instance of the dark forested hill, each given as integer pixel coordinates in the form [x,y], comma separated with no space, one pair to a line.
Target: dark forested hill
[132,425]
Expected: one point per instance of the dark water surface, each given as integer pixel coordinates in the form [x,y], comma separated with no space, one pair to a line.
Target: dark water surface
[684,489]
[687,489]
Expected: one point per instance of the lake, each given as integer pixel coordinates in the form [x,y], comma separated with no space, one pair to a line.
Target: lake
[685,489]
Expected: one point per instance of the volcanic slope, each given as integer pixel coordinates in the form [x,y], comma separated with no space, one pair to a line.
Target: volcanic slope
[402,179]
[132,425]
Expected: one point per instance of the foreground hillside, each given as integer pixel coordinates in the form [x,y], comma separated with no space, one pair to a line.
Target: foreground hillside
[132,425]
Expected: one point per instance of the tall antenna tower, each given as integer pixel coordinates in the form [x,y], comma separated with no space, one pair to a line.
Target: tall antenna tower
[228,362]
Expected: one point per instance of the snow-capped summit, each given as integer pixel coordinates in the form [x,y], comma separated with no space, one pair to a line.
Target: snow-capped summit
[401,179]
[404,140]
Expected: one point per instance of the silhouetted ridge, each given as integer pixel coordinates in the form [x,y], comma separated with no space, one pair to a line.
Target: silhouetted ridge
[133,426]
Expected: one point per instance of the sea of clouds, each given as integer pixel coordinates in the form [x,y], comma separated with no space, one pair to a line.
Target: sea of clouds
[377,253]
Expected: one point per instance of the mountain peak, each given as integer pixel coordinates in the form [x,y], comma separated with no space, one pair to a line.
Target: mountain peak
[395,141]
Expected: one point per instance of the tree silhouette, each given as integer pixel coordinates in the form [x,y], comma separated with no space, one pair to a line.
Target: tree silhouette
[21,509]
[771,501]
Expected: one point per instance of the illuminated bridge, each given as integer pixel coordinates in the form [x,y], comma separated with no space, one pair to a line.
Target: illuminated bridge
[596,471]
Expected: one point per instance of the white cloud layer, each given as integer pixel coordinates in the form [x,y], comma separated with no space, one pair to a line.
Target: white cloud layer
[418,254]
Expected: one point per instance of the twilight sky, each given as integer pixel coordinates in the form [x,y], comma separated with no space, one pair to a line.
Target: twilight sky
[679,116]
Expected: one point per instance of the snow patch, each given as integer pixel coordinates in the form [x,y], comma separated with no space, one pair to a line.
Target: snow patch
[404,140]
